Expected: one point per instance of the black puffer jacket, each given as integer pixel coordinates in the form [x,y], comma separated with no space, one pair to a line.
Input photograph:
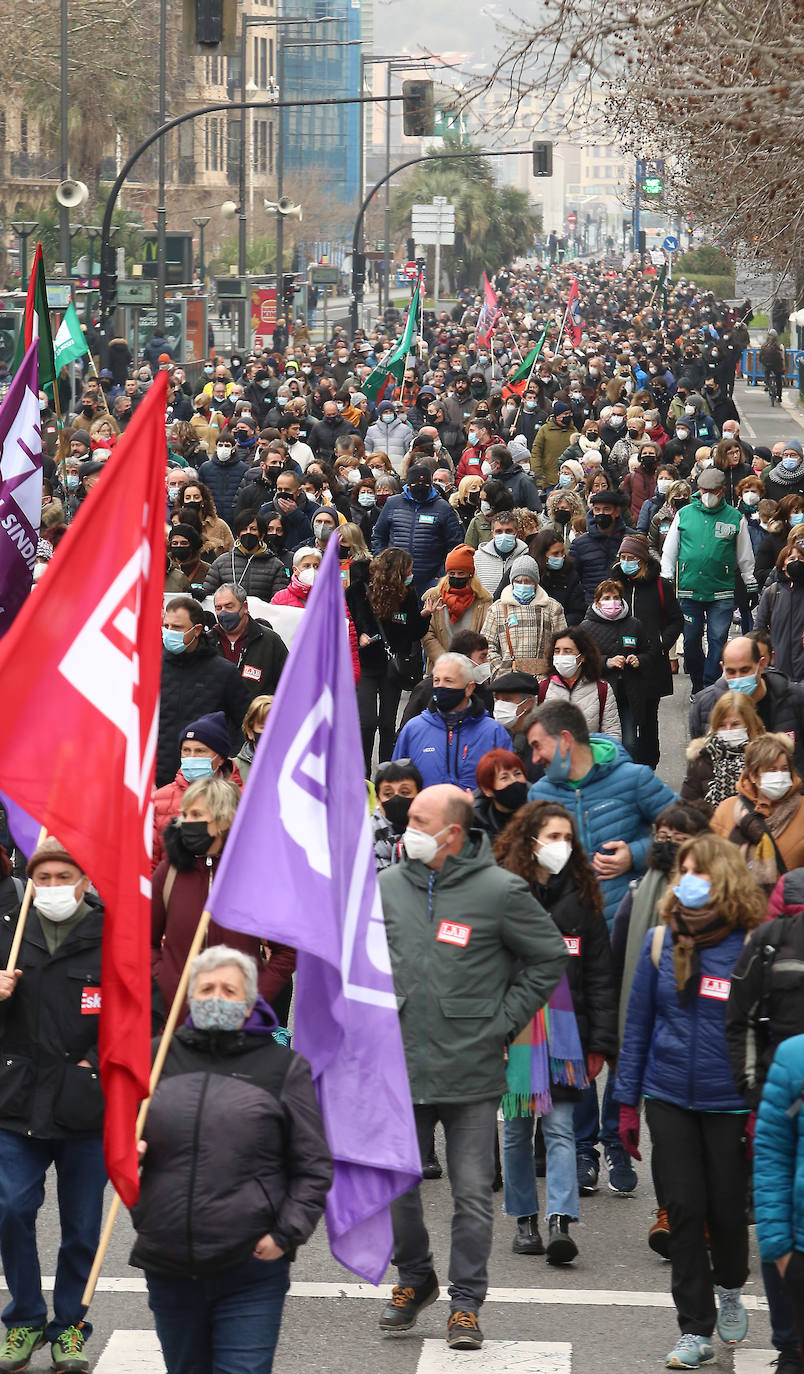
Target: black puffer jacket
[47,1026]
[223,480]
[766,1005]
[193,685]
[208,1193]
[260,574]
[653,602]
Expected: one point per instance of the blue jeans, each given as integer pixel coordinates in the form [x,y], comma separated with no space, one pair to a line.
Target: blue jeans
[592,1127]
[470,1130]
[80,1181]
[780,1309]
[716,616]
[224,1324]
[521,1198]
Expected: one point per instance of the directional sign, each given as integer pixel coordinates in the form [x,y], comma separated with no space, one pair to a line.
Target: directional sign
[411,271]
[670,244]
[572,218]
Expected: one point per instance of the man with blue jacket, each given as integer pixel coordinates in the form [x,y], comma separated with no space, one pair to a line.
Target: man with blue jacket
[446,741]
[614,803]
[421,521]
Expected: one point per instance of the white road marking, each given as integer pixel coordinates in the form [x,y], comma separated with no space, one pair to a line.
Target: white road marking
[754,1361]
[135,1352]
[499,1357]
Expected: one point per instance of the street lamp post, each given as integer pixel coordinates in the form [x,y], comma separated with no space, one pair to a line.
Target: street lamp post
[201,221]
[64,210]
[161,214]
[23,228]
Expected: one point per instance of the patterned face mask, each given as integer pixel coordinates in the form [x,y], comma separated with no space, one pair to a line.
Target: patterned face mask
[217,1013]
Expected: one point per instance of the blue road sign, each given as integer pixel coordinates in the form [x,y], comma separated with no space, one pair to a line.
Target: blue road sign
[670,244]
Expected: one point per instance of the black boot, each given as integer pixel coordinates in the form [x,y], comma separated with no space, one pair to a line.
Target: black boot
[431,1168]
[561,1248]
[527,1240]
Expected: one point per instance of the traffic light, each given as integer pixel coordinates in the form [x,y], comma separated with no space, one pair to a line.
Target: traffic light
[542,159]
[208,26]
[358,274]
[418,111]
[642,244]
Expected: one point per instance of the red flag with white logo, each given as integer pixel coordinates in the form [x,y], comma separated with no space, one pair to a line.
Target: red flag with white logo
[489,315]
[572,319]
[80,669]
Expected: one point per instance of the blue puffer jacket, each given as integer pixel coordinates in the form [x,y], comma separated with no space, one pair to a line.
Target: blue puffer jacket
[594,552]
[675,1052]
[618,800]
[429,529]
[450,753]
[223,480]
[779,1155]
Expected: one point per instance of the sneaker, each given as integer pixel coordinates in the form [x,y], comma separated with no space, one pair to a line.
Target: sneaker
[407,1303]
[690,1352]
[659,1234]
[67,1352]
[527,1240]
[788,1362]
[588,1171]
[432,1167]
[561,1248]
[732,1318]
[463,1332]
[18,1347]
[622,1174]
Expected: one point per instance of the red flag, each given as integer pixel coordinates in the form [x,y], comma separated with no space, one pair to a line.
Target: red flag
[572,319]
[489,315]
[85,654]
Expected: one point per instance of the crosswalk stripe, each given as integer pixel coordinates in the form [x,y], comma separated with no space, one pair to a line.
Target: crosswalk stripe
[499,1357]
[136,1352]
[754,1361]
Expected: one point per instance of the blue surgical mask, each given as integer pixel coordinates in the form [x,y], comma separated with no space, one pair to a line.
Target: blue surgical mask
[524,592]
[556,561]
[408,579]
[217,1013]
[743,684]
[472,436]
[565,479]
[72,481]
[790,464]
[630,566]
[693,891]
[531,405]
[173,641]
[194,768]
[796,518]
[558,769]
[505,543]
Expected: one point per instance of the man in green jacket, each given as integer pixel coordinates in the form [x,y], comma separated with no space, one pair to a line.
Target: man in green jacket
[550,442]
[474,957]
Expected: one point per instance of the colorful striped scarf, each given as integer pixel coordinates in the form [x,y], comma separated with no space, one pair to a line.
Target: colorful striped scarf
[547,1051]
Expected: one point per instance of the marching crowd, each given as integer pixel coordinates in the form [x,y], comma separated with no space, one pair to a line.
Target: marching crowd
[530,555]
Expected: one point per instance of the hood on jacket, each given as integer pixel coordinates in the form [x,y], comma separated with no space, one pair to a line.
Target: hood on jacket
[489,548]
[262,1020]
[695,748]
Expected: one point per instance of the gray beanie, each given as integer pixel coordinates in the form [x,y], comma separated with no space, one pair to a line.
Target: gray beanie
[525,566]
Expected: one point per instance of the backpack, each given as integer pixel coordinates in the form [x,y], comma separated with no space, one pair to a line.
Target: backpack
[601,697]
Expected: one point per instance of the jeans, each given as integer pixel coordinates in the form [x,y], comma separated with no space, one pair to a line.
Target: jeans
[369,688]
[704,1176]
[780,1309]
[225,1324]
[591,1128]
[80,1181]
[716,616]
[521,1198]
[470,1129]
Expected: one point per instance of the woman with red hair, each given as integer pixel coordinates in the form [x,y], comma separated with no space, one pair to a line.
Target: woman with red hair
[502,788]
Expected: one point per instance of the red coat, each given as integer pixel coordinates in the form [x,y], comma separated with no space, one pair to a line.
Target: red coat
[167,804]
[472,459]
[639,486]
[295,596]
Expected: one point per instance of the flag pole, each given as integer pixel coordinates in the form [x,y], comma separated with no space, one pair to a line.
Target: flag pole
[25,907]
[156,1073]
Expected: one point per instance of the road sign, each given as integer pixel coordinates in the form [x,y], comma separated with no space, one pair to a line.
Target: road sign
[434,223]
[572,218]
[411,271]
[136,292]
[59,295]
[670,244]
[324,276]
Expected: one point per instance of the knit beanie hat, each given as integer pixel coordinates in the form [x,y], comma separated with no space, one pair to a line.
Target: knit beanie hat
[634,546]
[49,849]
[525,566]
[795,445]
[560,408]
[210,730]
[461,560]
[571,465]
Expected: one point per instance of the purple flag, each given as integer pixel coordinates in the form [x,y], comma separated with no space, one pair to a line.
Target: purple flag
[20,488]
[298,867]
[23,828]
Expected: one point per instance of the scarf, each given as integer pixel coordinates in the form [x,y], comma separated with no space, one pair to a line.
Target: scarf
[548,1050]
[727,767]
[692,931]
[757,823]
[457,600]
[299,588]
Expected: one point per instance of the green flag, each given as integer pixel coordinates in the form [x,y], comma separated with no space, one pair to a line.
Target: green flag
[394,365]
[37,324]
[661,287]
[515,385]
[70,342]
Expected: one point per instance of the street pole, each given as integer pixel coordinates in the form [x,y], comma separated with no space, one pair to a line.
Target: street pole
[23,229]
[280,175]
[241,223]
[161,218]
[636,214]
[64,210]
[437,273]
[201,221]
[386,276]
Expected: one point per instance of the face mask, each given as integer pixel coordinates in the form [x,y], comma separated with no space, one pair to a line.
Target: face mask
[181,553]
[558,769]
[617,421]
[472,436]
[682,434]
[689,410]
[173,641]
[56,903]
[555,561]
[208,371]
[743,684]
[562,517]
[795,572]
[217,1013]
[604,522]
[194,768]
[610,608]
[524,592]
[224,452]
[693,891]
[173,493]
[282,399]
[630,566]
[482,672]
[663,485]
[505,713]
[511,797]
[790,464]
[735,737]
[248,540]
[711,499]
[565,479]
[388,417]
[751,499]
[396,810]
[419,845]
[366,498]
[565,664]
[796,518]
[505,543]
[72,481]
[485,506]
[663,854]
[460,580]
[228,620]
[775,785]
[553,856]
[307,576]
[408,579]
[194,834]
[419,491]
[447,699]
[531,405]
[322,530]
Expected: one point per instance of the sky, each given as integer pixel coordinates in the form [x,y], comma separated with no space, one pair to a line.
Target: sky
[447,26]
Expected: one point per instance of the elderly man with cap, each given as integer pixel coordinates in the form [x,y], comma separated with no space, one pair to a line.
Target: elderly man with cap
[390,433]
[515,696]
[706,544]
[551,440]
[186,569]
[204,747]
[521,624]
[421,521]
[79,444]
[51,1107]
[787,475]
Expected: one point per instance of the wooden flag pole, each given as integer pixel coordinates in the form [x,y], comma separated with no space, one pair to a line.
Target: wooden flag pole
[27,898]
[156,1073]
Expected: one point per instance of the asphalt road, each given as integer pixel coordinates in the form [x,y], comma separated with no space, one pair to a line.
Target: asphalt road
[609,1311]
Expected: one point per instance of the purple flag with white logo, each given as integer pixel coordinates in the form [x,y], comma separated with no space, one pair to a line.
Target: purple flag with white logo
[298,867]
[20,488]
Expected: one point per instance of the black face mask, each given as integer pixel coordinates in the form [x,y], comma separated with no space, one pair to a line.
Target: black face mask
[511,797]
[419,491]
[562,517]
[459,580]
[183,555]
[448,698]
[663,855]
[274,543]
[396,810]
[604,522]
[248,541]
[795,571]
[196,837]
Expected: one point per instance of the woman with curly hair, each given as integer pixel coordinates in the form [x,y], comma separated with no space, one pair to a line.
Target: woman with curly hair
[389,624]
[217,536]
[566,1047]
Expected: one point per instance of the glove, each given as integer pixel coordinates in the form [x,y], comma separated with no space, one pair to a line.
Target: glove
[594,1064]
[629,1131]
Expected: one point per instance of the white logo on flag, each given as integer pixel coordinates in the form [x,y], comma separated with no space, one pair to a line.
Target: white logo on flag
[302,809]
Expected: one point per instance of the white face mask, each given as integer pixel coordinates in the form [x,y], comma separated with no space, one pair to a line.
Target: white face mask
[419,845]
[505,712]
[689,410]
[224,452]
[482,672]
[56,903]
[485,508]
[739,735]
[775,785]
[710,499]
[663,485]
[553,856]
[307,576]
[565,664]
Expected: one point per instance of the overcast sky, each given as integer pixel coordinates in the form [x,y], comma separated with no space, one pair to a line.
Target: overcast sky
[447,26]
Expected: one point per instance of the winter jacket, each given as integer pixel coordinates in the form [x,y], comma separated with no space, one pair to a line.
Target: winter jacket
[710,761]
[522,488]
[422,696]
[47,1026]
[472,460]
[769,549]
[622,636]
[781,710]
[677,1052]
[193,685]
[254,491]
[649,508]
[704,550]
[586,695]
[208,1193]
[491,566]
[781,612]
[779,1156]
[438,637]
[516,632]
[223,480]
[260,574]
[659,528]
[564,586]
[594,552]
[167,800]
[404,628]
[617,800]
[654,604]
[639,486]
[789,842]
[324,435]
[765,1003]
[394,439]
[778,482]
[550,443]
[635,916]
[449,750]
[261,657]
[172,929]
[733,476]
[474,956]
[428,529]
